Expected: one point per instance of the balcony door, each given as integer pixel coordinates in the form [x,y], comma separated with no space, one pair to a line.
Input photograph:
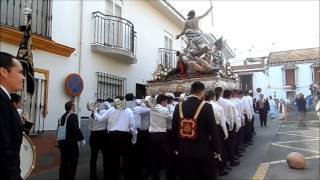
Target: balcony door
[168,56]
[114,28]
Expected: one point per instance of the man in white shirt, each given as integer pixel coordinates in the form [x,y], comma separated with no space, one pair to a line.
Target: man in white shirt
[98,142]
[248,113]
[231,141]
[142,118]
[236,97]
[220,119]
[122,131]
[159,115]
[173,159]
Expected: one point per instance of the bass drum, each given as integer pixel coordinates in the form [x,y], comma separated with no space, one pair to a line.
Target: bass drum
[27,156]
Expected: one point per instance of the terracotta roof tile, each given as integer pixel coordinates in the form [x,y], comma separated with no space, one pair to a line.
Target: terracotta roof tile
[294,55]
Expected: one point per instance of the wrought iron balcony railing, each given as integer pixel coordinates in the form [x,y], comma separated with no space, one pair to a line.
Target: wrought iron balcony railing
[12,15]
[113,31]
[168,57]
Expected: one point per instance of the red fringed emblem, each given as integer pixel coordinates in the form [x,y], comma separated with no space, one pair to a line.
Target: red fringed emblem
[188,129]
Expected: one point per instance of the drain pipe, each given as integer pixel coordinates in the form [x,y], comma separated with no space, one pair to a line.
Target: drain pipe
[80,50]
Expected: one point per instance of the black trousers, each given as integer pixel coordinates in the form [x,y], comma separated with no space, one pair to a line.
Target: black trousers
[158,153]
[69,154]
[119,145]
[236,141]
[141,155]
[263,118]
[98,142]
[173,166]
[196,169]
[222,164]
[247,130]
[252,124]
[231,144]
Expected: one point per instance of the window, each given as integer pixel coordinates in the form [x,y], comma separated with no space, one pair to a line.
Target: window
[12,14]
[290,77]
[316,71]
[168,41]
[35,107]
[167,55]
[114,26]
[114,8]
[109,7]
[110,86]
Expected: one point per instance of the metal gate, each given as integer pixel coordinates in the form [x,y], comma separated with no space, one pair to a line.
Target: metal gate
[34,107]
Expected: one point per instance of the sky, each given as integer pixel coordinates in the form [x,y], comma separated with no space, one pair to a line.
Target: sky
[255,28]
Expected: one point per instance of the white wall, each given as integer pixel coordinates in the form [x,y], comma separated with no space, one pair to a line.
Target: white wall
[150,25]
[259,80]
[276,80]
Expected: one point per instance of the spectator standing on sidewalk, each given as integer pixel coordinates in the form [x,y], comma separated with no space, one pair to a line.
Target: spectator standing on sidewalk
[263,108]
[302,108]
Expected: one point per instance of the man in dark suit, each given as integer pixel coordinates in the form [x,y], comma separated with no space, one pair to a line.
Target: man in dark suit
[264,108]
[69,150]
[11,75]
[195,138]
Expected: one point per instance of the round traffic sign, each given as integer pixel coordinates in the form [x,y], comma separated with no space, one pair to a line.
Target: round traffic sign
[73,84]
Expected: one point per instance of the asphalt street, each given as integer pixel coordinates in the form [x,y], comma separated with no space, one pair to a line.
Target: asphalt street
[265,159]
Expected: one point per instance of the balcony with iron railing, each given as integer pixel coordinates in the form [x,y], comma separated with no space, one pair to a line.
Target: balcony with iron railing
[12,15]
[168,57]
[114,36]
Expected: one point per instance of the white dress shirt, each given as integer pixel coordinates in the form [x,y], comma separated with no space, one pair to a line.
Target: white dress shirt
[227,107]
[240,107]
[250,99]
[247,107]
[171,110]
[5,91]
[118,120]
[159,116]
[139,113]
[97,125]
[219,116]
[236,117]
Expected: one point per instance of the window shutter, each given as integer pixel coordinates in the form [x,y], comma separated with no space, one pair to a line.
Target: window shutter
[317,74]
[290,77]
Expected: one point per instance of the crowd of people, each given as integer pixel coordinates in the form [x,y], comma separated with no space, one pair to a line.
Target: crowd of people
[198,136]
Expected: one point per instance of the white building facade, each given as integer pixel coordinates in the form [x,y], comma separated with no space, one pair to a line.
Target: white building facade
[282,74]
[292,72]
[113,45]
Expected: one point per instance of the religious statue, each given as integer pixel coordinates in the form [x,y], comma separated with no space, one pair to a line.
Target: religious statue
[199,56]
[194,35]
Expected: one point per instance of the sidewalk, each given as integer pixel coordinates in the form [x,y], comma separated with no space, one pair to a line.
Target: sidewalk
[292,138]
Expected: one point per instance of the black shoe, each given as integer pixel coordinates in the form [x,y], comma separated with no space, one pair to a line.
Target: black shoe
[242,150]
[223,173]
[249,143]
[234,163]
[228,168]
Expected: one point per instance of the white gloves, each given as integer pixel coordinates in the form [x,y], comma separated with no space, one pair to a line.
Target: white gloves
[237,129]
[134,138]
[230,127]
[226,136]
[217,156]
[83,142]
